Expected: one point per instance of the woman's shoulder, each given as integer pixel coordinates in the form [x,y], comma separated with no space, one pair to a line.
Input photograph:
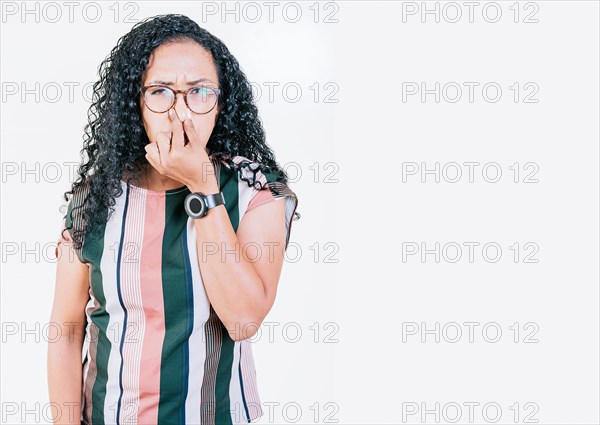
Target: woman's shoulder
[256,186]
[271,187]
[72,219]
[258,174]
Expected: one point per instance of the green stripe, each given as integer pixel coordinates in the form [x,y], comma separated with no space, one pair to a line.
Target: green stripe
[178,305]
[92,251]
[228,183]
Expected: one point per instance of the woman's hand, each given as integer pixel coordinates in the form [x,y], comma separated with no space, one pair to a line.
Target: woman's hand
[180,155]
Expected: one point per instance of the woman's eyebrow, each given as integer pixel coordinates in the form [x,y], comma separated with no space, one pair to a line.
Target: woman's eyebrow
[189,83]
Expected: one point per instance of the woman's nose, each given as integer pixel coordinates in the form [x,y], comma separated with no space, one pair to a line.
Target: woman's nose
[180,106]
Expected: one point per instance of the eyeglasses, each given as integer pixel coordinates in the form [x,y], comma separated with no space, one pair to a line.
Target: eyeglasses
[200,99]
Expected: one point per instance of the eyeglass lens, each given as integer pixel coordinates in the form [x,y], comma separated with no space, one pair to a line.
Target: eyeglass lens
[200,99]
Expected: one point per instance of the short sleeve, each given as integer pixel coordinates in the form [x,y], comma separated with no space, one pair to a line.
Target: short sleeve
[65,236]
[273,189]
[280,192]
[71,220]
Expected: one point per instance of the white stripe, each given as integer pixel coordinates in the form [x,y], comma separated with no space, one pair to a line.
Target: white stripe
[108,265]
[246,192]
[237,410]
[90,306]
[86,368]
[197,341]
[249,381]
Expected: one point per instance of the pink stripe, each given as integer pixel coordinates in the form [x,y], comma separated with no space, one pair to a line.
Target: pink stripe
[152,298]
[260,197]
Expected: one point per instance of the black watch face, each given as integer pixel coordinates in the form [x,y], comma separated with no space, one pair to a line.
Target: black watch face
[196,206]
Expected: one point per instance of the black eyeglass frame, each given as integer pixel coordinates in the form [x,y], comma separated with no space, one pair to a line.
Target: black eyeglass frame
[217,92]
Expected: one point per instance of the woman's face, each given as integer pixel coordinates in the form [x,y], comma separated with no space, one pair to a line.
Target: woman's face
[176,65]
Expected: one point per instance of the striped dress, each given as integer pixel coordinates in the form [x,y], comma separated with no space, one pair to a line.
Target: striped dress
[155,351]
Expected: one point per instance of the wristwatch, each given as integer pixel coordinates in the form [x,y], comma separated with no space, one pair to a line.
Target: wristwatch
[197,204]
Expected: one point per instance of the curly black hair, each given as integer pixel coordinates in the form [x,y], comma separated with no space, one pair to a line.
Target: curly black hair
[114,137]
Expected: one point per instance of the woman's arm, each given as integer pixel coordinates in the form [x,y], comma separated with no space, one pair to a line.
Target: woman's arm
[65,350]
[241,288]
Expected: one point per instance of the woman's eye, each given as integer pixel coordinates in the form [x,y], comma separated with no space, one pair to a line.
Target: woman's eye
[200,90]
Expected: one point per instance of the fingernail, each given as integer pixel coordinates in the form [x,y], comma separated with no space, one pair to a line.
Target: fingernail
[189,113]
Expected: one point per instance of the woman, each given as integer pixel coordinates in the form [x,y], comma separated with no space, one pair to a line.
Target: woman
[166,265]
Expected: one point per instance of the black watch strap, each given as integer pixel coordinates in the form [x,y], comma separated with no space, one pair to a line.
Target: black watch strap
[214,200]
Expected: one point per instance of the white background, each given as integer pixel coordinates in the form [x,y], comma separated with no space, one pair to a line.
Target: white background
[357,360]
